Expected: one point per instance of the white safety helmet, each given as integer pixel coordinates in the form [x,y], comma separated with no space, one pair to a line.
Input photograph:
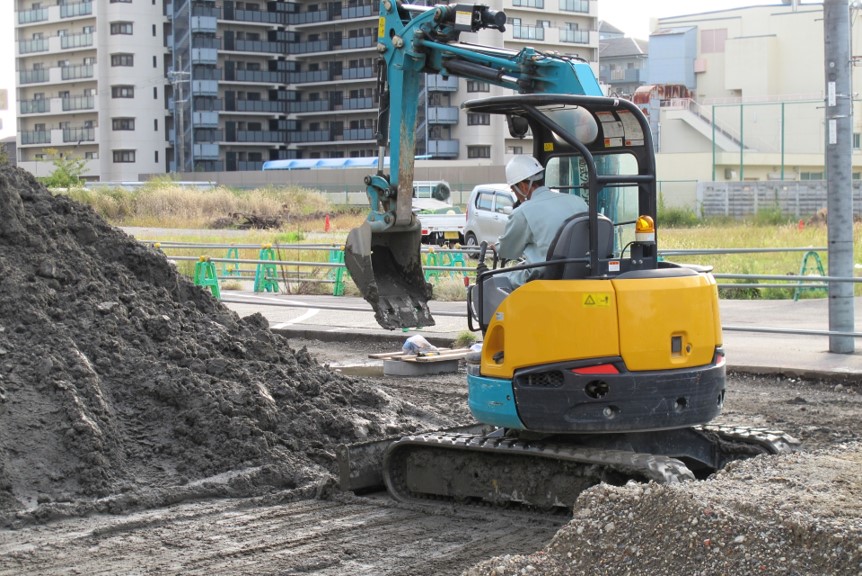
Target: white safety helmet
[522,168]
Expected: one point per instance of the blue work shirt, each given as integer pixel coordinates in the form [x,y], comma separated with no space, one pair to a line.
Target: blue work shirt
[532,227]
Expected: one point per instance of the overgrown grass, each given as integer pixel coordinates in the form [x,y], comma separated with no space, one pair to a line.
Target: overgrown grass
[161,203]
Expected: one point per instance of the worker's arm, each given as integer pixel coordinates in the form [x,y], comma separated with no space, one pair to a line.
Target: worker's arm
[515,238]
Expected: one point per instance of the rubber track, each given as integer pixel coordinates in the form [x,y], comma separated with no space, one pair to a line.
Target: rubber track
[654,467]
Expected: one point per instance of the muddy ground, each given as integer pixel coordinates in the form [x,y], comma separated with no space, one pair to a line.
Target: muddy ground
[146,429]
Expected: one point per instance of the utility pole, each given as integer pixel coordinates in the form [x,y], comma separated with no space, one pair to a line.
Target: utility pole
[839,184]
[177,78]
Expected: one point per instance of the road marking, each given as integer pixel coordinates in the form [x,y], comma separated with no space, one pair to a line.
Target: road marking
[297,320]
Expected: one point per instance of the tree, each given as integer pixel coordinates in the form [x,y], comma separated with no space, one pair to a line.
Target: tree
[67,170]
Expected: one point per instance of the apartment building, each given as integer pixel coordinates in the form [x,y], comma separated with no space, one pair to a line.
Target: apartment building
[90,84]
[151,86]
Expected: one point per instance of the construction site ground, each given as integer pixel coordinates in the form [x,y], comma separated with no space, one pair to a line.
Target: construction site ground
[147,429]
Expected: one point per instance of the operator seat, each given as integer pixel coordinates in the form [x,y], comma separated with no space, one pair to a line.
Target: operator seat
[573,241]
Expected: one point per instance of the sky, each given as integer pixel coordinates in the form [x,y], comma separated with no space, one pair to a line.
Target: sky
[630,16]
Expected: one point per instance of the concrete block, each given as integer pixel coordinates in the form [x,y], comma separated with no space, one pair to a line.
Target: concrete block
[402,368]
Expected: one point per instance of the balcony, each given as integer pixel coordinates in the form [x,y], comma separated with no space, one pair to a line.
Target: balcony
[300,107]
[76,41]
[309,77]
[204,56]
[247,166]
[32,16]
[40,106]
[577,6]
[33,76]
[255,76]
[257,16]
[359,134]
[32,46]
[73,103]
[258,106]
[205,119]
[575,36]
[199,73]
[523,32]
[77,72]
[357,43]
[204,87]
[357,103]
[306,137]
[442,148]
[260,137]
[258,46]
[299,18]
[436,83]
[79,135]
[442,115]
[310,47]
[359,12]
[75,10]
[204,24]
[35,137]
[358,73]
[205,151]
[540,4]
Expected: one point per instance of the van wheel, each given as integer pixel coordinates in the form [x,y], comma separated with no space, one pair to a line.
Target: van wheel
[471,243]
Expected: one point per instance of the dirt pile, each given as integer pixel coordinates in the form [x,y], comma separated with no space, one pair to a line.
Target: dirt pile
[124,385]
[794,514]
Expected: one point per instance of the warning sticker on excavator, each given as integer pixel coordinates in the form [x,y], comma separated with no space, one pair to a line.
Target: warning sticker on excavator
[596,299]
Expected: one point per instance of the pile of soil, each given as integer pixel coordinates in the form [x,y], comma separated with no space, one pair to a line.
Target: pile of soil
[124,385]
[793,514]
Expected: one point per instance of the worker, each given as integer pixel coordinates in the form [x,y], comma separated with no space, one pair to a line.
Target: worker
[534,225]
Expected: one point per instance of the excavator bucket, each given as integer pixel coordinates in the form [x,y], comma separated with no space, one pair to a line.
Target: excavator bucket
[387,268]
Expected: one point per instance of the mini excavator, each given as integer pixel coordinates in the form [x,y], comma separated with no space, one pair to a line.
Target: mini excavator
[609,365]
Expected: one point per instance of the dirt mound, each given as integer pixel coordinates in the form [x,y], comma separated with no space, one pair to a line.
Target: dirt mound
[767,515]
[122,384]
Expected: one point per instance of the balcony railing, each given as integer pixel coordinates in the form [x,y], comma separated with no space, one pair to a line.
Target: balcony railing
[77,72]
[35,137]
[436,83]
[33,76]
[260,136]
[76,40]
[309,136]
[79,135]
[77,9]
[580,6]
[79,103]
[358,12]
[275,18]
[443,148]
[357,103]
[359,134]
[357,73]
[309,106]
[34,15]
[310,76]
[356,43]
[313,46]
[529,3]
[264,76]
[308,17]
[35,106]
[522,32]
[256,46]
[248,166]
[575,36]
[442,115]
[33,45]
[261,106]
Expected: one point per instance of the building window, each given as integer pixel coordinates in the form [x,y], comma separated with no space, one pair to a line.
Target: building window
[478,151]
[91,155]
[478,119]
[477,86]
[123,123]
[514,150]
[529,3]
[124,156]
[811,175]
[712,41]
[122,59]
[122,91]
[857,140]
[121,28]
[157,157]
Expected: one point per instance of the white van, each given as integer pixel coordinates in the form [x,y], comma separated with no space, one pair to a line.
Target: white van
[488,211]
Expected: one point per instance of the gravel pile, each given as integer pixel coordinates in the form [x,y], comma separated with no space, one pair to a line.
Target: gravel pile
[798,514]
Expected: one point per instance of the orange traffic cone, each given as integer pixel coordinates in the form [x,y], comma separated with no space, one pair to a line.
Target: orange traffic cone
[801,225]
[326,224]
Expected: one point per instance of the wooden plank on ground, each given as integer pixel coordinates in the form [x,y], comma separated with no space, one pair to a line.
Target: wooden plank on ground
[439,356]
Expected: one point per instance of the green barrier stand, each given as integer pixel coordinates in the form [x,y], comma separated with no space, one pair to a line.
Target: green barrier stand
[338,273]
[231,268]
[431,259]
[265,274]
[455,260]
[205,276]
[803,271]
